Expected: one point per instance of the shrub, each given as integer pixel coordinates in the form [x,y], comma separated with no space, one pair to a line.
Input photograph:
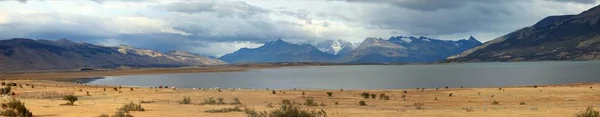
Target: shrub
[142,102]
[121,114]
[220,100]
[329,94]
[522,103]
[310,102]
[373,95]
[495,102]
[468,109]
[185,100]
[419,105]
[286,110]
[225,110]
[450,95]
[5,90]
[274,92]
[362,103]
[236,101]
[103,115]
[303,93]
[15,108]
[71,99]
[209,100]
[270,105]
[403,97]
[286,101]
[588,112]
[131,107]
[336,103]
[365,95]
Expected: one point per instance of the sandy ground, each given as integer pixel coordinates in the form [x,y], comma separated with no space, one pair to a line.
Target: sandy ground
[543,101]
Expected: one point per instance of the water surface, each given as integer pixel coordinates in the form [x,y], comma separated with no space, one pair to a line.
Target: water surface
[378,76]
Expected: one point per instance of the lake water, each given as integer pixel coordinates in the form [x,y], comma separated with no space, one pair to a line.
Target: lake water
[378,76]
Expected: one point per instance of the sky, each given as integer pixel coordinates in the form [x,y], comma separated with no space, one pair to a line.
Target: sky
[218,27]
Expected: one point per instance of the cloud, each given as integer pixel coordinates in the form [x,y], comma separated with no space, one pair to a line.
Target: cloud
[220,8]
[217,27]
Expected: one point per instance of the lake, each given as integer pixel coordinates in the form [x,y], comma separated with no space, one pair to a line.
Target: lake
[377,76]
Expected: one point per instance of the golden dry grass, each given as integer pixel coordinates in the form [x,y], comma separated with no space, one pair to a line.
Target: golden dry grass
[556,100]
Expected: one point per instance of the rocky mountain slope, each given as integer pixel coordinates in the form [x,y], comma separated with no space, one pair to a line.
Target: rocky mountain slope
[407,49]
[20,54]
[567,37]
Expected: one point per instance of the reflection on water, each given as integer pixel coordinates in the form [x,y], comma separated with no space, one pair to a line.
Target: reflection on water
[378,76]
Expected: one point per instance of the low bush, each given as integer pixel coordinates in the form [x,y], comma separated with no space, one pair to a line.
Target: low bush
[419,105]
[329,94]
[185,100]
[131,107]
[225,110]
[236,101]
[286,110]
[310,102]
[210,100]
[15,108]
[71,99]
[5,90]
[522,103]
[588,112]
[495,102]
[362,103]
[373,95]
[220,100]
[365,95]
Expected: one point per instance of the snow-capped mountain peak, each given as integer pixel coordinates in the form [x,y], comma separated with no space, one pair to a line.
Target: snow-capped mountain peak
[335,47]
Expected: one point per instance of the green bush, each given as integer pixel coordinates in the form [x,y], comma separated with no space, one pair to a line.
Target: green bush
[186,100]
[362,103]
[15,108]
[131,107]
[71,99]
[588,112]
[286,110]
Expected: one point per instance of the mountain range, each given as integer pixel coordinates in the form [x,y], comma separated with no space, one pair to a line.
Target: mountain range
[566,37]
[21,54]
[278,51]
[371,50]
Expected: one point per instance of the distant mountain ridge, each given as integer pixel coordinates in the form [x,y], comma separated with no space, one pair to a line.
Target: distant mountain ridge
[565,37]
[372,50]
[407,49]
[278,51]
[20,54]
